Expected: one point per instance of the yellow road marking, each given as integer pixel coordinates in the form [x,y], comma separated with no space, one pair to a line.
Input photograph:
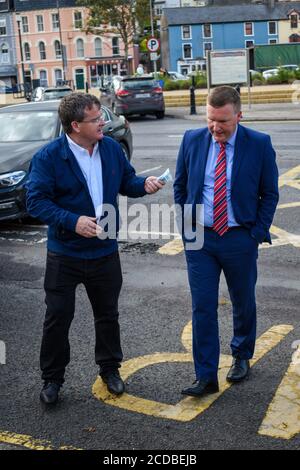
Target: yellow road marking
[288,205]
[289,177]
[285,237]
[187,408]
[29,442]
[171,248]
[283,416]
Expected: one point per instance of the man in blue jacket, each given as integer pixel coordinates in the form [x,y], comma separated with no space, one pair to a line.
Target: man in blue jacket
[71,180]
[231,171]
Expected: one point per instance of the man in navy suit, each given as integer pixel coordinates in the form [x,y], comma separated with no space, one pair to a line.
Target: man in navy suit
[230,170]
[72,180]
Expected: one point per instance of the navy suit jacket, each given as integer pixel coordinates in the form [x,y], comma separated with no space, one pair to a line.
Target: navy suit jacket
[254,182]
[57,194]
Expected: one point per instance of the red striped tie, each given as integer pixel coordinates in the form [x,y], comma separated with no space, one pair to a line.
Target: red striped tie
[220,194]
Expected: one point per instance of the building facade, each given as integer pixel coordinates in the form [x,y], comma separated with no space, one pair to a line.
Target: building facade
[8,68]
[55,48]
[188,33]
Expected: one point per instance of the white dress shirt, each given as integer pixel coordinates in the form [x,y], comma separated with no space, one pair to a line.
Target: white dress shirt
[91,167]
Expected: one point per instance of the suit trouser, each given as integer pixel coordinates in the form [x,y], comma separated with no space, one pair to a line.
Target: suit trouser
[102,279]
[236,254]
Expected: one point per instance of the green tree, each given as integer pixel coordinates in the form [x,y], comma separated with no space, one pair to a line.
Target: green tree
[120,17]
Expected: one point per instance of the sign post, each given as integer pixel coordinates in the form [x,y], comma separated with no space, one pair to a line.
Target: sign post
[153,45]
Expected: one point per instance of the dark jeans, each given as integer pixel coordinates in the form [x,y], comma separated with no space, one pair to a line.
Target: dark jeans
[102,278]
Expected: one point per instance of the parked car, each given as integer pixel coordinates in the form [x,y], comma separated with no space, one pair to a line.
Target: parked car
[273,72]
[24,129]
[134,95]
[50,93]
[177,76]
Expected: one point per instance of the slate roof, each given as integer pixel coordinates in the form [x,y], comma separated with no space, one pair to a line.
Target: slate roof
[228,13]
[30,5]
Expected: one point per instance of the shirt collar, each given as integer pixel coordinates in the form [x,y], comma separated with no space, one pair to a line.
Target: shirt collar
[78,148]
[230,141]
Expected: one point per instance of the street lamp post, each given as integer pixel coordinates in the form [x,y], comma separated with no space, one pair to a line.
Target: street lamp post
[63,51]
[21,48]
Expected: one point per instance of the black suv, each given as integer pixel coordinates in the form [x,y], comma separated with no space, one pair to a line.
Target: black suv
[134,95]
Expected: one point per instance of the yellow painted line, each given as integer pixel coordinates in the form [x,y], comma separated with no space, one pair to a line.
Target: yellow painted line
[289,176]
[286,237]
[283,416]
[288,205]
[29,442]
[188,408]
[171,248]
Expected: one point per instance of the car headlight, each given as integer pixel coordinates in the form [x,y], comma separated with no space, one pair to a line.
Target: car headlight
[11,179]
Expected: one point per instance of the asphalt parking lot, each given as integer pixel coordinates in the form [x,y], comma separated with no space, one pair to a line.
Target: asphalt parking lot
[155,312]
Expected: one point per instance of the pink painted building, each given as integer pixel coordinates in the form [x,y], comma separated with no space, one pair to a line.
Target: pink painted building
[55,48]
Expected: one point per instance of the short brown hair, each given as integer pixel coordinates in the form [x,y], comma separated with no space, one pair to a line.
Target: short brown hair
[222,95]
[72,108]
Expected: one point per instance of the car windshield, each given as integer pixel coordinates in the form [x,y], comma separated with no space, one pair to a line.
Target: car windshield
[138,84]
[56,94]
[27,126]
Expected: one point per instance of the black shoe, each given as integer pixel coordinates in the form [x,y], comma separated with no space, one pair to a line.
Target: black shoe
[49,393]
[202,387]
[114,382]
[239,370]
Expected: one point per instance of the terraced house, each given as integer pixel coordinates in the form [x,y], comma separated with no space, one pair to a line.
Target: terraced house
[56,48]
[188,33]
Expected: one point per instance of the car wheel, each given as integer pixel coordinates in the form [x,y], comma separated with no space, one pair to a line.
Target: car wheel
[160,114]
[125,150]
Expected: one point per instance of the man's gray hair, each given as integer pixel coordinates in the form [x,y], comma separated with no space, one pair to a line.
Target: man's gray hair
[72,108]
[222,95]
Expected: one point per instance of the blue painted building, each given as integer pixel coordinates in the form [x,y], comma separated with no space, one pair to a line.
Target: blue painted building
[188,33]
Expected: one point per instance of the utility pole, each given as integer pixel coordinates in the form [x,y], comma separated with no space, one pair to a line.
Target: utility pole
[152,33]
[63,58]
[18,18]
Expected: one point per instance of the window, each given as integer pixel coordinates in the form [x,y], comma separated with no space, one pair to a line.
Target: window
[27,51]
[186,32]
[249,43]
[2,27]
[294,21]
[43,78]
[115,46]
[248,29]
[40,23]
[58,77]
[42,50]
[25,28]
[272,41]
[55,21]
[57,49]
[187,51]
[272,26]
[207,31]
[207,46]
[79,48]
[78,19]
[4,57]
[98,47]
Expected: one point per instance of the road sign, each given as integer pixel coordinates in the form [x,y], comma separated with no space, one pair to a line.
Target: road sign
[153,44]
[154,56]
